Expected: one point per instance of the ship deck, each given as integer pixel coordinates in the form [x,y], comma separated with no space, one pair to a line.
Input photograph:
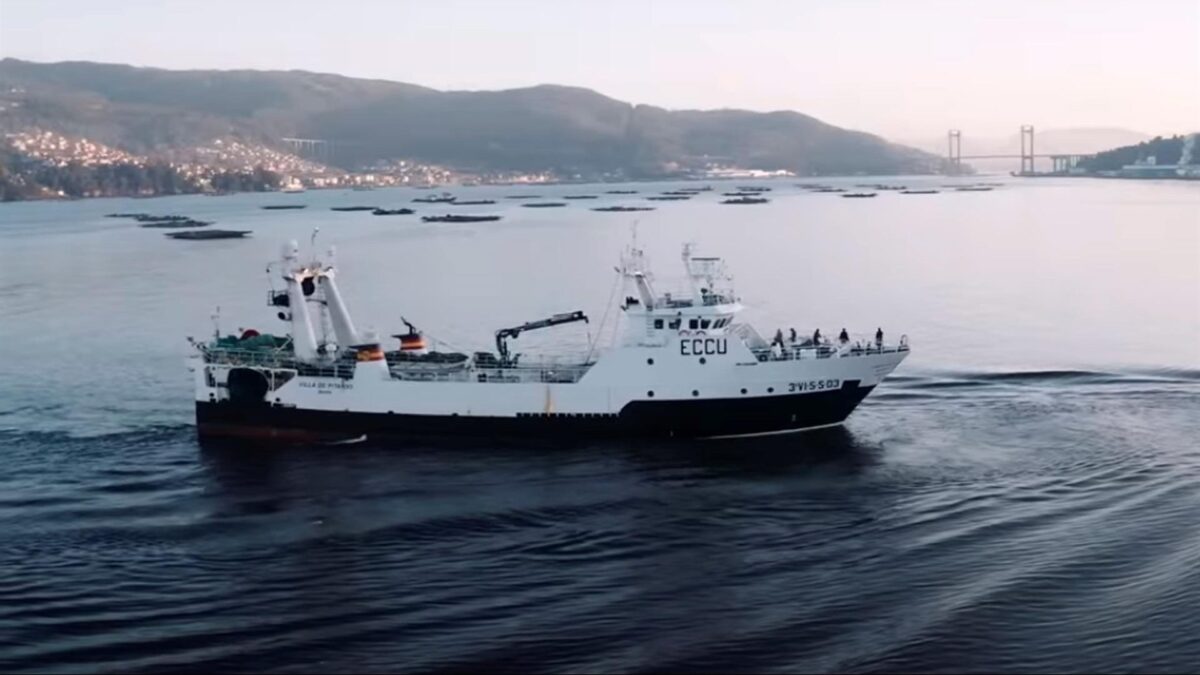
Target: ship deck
[547,370]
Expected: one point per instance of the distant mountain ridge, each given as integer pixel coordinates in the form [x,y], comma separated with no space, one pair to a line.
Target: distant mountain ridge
[566,129]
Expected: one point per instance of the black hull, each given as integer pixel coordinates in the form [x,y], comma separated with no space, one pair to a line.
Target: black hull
[703,418]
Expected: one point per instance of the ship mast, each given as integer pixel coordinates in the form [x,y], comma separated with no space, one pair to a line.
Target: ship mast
[634,267]
[303,280]
[343,326]
[295,276]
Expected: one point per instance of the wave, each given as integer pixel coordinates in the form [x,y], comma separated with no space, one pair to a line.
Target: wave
[143,434]
[951,383]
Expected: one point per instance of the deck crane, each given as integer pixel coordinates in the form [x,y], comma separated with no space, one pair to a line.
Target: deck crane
[504,334]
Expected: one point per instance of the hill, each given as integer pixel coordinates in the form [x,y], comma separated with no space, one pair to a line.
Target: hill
[570,130]
[1165,151]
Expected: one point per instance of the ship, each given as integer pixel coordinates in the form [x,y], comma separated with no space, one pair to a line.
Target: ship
[453,218]
[175,224]
[681,365]
[445,198]
[204,235]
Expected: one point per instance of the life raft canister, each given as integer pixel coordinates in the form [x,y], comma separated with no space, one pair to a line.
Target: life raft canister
[412,342]
[368,352]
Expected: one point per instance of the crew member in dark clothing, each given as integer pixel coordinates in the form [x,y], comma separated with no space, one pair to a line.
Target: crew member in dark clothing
[778,338]
[844,337]
[817,337]
[792,335]
[879,338]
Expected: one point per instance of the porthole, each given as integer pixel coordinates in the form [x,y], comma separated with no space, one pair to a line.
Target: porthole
[703,360]
[770,390]
[695,392]
[743,391]
[649,362]
[650,394]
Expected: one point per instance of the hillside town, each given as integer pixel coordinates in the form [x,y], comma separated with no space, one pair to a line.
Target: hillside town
[29,151]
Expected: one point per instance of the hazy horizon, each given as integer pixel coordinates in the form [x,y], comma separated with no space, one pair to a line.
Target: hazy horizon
[905,72]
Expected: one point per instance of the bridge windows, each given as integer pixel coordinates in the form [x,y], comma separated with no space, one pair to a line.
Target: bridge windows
[675,323]
[658,324]
[705,323]
[693,324]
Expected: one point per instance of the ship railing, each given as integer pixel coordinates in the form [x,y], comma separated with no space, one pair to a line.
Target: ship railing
[248,357]
[829,350]
[276,359]
[712,299]
[681,299]
[456,375]
[547,370]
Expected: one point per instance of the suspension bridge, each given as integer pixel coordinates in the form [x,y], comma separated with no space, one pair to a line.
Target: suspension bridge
[1061,163]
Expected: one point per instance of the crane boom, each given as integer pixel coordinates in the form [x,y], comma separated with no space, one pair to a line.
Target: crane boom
[503,334]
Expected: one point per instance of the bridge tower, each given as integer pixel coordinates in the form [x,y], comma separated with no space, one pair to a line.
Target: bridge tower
[955,151]
[1027,155]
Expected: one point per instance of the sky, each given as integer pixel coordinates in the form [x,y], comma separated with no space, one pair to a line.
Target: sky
[905,69]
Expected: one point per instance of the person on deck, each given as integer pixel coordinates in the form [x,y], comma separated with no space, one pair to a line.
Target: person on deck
[792,335]
[844,337]
[817,337]
[879,338]
[778,338]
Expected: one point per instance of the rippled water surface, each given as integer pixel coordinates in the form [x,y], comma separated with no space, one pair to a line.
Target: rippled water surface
[1021,496]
